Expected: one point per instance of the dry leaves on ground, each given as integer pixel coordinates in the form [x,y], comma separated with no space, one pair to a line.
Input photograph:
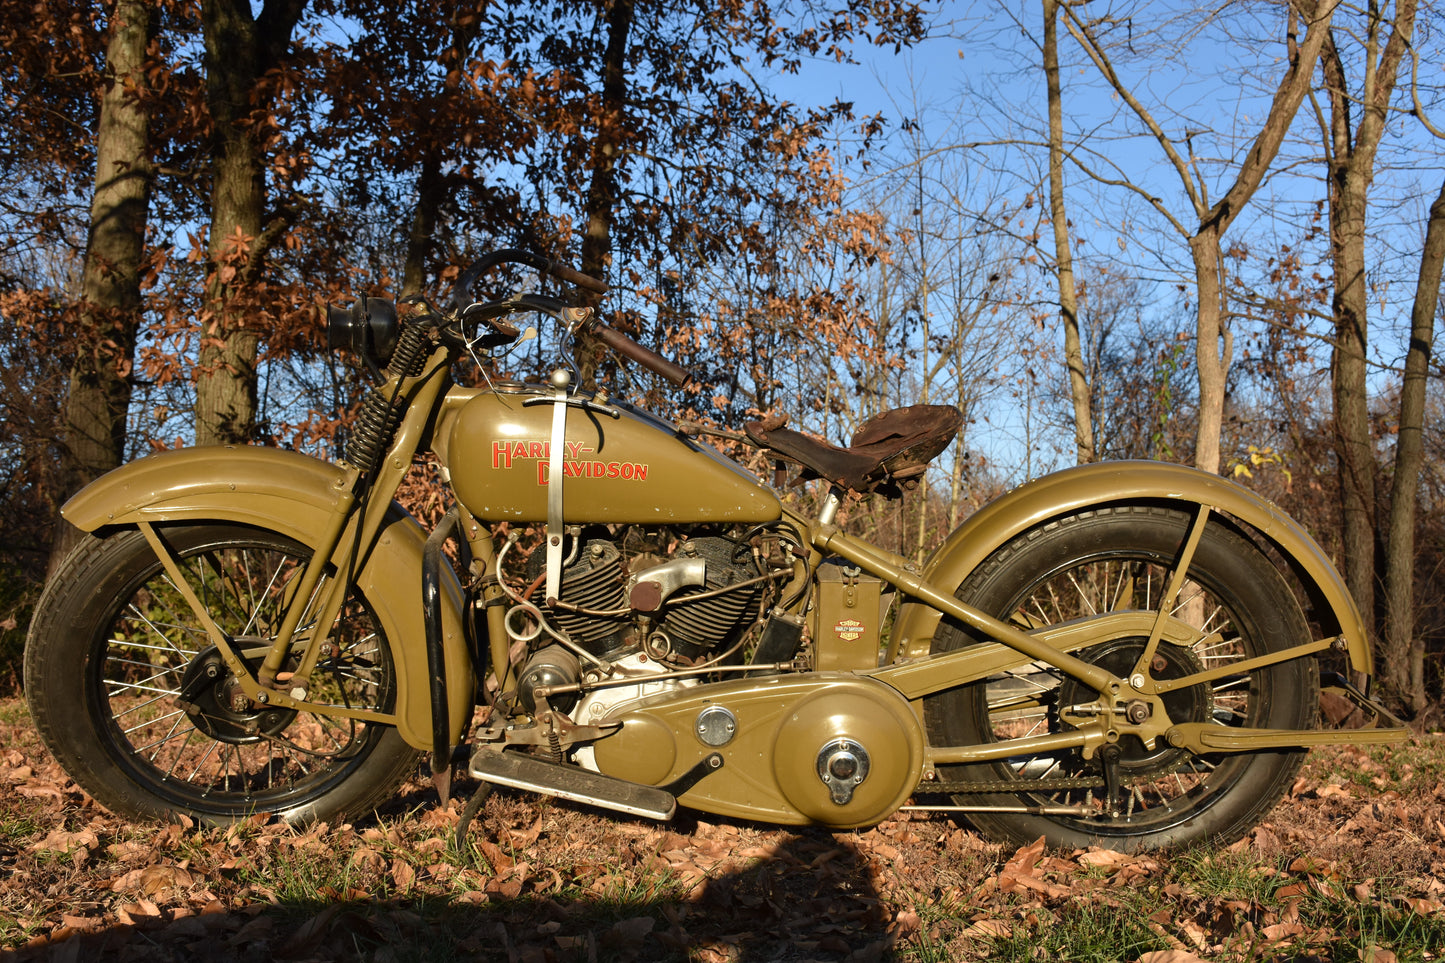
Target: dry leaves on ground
[549,882]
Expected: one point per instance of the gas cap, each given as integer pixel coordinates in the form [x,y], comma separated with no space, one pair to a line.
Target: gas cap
[842,765]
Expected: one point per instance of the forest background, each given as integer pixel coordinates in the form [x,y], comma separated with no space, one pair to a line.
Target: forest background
[1105,229]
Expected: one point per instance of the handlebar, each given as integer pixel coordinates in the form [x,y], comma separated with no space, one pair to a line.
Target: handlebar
[581,320]
[462,294]
[649,359]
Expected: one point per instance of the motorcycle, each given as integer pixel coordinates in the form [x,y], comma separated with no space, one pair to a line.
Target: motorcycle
[1128,655]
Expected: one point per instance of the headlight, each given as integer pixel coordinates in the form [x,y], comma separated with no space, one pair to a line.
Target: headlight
[368,329]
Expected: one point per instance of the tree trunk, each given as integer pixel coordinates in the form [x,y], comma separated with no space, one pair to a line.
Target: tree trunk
[1084,451]
[1351,154]
[98,395]
[99,392]
[1402,658]
[239,50]
[602,192]
[1354,445]
[1213,348]
[600,203]
[429,197]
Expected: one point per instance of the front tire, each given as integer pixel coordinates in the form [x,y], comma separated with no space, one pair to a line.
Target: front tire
[1115,560]
[132,698]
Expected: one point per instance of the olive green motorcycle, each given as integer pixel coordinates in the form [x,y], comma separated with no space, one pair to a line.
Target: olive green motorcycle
[1129,655]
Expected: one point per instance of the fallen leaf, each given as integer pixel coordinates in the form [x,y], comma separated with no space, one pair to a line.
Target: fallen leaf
[629,932]
[1281,931]
[60,841]
[1027,857]
[1105,858]
[153,880]
[990,929]
[402,875]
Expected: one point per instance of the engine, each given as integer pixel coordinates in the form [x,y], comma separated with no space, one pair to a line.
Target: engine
[626,611]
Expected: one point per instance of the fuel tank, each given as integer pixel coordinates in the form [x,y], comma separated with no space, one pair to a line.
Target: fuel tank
[632,469]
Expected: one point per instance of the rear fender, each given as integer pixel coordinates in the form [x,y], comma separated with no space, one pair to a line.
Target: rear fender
[295,495]
[1115,483]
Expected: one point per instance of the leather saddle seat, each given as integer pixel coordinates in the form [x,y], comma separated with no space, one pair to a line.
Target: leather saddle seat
[888,452]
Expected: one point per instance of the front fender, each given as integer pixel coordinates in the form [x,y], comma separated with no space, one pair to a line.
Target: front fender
[1112,483]
[295,495]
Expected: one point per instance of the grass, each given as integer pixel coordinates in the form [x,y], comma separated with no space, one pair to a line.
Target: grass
[1081,933]
[1226,876]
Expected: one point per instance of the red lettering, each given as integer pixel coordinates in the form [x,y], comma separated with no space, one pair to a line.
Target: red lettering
[501,454]
[628,471]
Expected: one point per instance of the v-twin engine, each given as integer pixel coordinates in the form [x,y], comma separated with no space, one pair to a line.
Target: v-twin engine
[678,611]
[644,614]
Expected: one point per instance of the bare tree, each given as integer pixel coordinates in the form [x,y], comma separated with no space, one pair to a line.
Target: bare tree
[1402,657]
[1205,225]
[1356,123]
[1084,449]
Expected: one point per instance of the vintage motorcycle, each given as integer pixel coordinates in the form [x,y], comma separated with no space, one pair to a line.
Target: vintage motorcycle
[1127,655]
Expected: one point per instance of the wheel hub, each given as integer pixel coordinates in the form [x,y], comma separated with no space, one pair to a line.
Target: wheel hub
[217,705]
[1191,704]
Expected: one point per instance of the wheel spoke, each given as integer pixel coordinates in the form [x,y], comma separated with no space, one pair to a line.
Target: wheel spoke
[140,707]
[134,686]
[1084,597]
[170,735]
[151,722]
[170,645]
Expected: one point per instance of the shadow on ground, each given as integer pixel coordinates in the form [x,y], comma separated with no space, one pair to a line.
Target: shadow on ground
[808,897]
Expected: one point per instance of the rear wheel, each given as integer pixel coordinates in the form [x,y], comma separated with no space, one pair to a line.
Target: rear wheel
[132,697]
[1234,606]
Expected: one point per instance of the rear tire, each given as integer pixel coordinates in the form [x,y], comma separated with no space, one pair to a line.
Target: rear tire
[1117,559]
[113,645]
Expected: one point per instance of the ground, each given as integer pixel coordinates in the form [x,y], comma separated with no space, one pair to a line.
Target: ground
[1348,867]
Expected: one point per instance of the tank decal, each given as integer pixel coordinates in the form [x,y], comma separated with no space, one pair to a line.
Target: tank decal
[625,470]
[506,453]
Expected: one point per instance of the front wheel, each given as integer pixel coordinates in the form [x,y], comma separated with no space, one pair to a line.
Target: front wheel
[1234,605]
[132,698]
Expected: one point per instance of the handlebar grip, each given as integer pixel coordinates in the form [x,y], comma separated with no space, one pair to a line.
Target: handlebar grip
[573,276]
[646,357]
